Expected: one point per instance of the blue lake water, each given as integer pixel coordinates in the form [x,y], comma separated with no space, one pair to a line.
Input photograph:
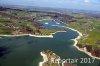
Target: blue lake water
[52,24]
[25,50]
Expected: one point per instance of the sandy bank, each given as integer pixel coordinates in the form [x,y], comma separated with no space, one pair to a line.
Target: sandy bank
[76,41]
[45,59]
[44,36]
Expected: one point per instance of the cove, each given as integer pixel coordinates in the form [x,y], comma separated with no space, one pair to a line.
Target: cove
[25,50]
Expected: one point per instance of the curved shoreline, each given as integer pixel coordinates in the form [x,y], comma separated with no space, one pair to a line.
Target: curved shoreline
[45,59]
[76,41]
[26,35]
[75,45]
[41,36]
[51,36]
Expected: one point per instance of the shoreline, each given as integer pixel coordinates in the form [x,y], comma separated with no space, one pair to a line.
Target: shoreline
[76,41]
[51,36]
[45,59]
[26,35]
[41,36]
[75,45]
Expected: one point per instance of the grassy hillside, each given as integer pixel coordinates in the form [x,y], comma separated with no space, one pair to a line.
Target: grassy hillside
[90,28]
[13,22]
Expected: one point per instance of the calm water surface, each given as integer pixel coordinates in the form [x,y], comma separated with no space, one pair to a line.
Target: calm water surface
[25,50]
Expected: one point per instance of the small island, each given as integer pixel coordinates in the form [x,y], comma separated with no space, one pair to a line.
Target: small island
[22,22]
[52,59]
[17,22]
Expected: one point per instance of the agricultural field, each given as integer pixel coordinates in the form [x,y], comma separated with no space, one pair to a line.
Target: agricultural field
[13,22]
[90,28]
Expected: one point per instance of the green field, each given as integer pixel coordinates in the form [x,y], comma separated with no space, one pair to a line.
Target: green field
[14,22]
[90,28]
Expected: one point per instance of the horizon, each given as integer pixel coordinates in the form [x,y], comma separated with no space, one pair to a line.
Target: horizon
[93,5]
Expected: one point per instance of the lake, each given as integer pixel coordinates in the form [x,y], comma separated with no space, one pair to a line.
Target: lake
[25,50]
